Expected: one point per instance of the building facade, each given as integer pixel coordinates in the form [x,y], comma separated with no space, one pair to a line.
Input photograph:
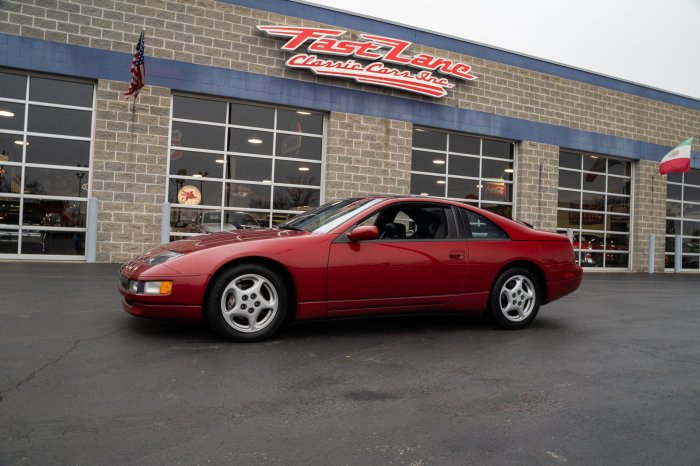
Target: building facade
[255,111]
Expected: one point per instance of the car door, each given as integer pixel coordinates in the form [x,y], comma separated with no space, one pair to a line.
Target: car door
[418,260]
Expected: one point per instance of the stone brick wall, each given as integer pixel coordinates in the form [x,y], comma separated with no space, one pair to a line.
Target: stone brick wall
[648,214]
[129,169]
[367,155]
[222,35]
[537,178]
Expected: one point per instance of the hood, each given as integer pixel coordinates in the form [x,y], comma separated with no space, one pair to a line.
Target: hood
[197,243]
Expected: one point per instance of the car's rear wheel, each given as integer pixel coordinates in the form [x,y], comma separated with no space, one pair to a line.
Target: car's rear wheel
[248,302]
[515,298]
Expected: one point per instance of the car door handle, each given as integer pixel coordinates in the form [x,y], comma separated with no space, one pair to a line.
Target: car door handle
[457,255]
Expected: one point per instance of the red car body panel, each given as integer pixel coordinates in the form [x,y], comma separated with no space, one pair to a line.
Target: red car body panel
[333,276]
[394,274]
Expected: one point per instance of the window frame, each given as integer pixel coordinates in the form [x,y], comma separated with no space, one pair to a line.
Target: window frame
[608,215]
[85,180]
[479,178]
[227,184]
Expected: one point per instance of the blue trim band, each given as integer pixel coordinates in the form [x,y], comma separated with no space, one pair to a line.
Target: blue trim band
[350,21]
[72,60]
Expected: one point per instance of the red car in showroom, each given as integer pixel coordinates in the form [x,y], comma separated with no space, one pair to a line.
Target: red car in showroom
[369,255]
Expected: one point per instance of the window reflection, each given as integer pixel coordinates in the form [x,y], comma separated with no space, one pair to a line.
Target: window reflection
[287,198]
[618,204]
[594,163]
[426,185]
[9,151]
[673,209]
[461,188]
[197,136]
[189,108]
[431,162]
[12,117]
[53,242]
[592,201]
[569,199]
[254,196]
[618,223]
[186,163]
[60,92]
[293,172]
[461,165]
[593,182]
[691,194]
[299,121]
[54,213]
[184,220]
[10,179]
[465,144]
[619,185]
[252,115]
[500,149]
[496,169]
[59,121]
[425,139]
[250,141]
[249,168]
[53,182]
[9,211]
[13,86]
[296,146]
[52,151]
[569,160]
[569,179]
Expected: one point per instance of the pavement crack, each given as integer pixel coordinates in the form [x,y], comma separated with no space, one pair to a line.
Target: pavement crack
[74,345]
[649,352]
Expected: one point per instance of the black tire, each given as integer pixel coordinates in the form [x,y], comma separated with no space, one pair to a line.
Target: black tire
[515,298]
[257,298]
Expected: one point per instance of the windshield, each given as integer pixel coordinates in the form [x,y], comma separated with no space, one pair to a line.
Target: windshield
[328,216]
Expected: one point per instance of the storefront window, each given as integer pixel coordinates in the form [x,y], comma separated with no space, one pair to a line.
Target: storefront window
[45,144]
[465,168]
[683,218]
[594,201]
[240,165]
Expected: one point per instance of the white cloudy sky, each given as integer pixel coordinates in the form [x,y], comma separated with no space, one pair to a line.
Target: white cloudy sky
[651,42]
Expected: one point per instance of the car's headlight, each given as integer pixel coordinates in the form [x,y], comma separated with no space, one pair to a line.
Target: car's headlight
[163,257]
[163,287]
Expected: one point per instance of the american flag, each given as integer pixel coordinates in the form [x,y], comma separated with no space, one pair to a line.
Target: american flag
[138,70]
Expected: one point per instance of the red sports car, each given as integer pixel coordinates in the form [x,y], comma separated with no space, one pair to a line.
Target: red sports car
[356,256]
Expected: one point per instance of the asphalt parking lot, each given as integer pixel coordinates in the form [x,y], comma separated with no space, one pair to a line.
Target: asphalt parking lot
[608,375]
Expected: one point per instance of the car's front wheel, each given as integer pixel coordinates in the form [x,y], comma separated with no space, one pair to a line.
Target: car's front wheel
[248,302]
[515,298]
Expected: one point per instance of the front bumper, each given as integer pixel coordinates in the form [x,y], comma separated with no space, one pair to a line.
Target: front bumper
[183,303]
[160,311]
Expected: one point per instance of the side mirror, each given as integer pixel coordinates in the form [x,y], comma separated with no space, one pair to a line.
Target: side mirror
[364,233]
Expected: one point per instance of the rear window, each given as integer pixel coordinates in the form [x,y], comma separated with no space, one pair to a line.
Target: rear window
[479,227]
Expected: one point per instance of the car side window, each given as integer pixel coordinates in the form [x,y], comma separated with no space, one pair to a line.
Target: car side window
[409,222]
[479,227]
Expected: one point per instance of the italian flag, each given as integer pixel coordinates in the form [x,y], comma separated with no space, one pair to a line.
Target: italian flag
[678,160]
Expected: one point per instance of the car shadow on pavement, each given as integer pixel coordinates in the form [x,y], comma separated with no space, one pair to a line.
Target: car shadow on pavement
[370,326]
